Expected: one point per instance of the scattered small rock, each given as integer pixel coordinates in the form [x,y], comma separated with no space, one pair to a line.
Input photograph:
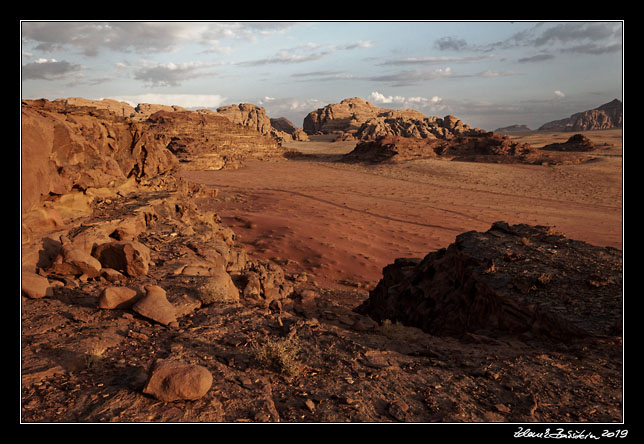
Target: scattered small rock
[398,409]
[310,405]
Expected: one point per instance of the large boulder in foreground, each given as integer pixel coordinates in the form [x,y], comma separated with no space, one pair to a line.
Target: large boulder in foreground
[173,381]
[512,279]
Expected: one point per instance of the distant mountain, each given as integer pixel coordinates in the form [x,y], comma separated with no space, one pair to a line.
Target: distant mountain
[606,116]
[513,129]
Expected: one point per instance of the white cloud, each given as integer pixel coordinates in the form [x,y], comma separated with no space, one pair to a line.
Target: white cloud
[559,94]
[361,44]
[190,101]
[429,104]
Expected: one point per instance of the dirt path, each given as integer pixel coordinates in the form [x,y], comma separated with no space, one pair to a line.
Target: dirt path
[343,222]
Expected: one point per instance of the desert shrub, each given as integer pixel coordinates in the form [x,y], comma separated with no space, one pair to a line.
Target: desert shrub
[280,356]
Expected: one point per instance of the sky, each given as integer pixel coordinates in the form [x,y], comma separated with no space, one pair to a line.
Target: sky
[489,74]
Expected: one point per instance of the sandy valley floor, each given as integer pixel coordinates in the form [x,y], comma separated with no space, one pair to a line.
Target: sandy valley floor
[341,223]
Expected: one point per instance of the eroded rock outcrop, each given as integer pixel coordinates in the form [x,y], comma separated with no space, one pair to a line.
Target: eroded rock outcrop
[346,116]
[512,279]
[77,145]
[255,117]
[578,142]
[488,147]
[69,148]
[203,141]
[359,119]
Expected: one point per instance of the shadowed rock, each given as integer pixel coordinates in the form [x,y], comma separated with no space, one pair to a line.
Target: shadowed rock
[509,280]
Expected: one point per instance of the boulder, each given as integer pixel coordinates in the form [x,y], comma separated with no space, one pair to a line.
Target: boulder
[129,257]
[118,297]
[218,287]
[80,261]
[35,286]
[155,305]
[172,381]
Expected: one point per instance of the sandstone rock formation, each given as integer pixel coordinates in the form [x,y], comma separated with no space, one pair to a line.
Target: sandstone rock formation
[283,125]
[578,142]
[255,117]
[512,279]
[35,286]
[606,116]
[145,110]
[477,147]
[122,109]
[362,120]
[67,148]
[408,124]
[155,305]
[247,114]
[80,146]
[208,141]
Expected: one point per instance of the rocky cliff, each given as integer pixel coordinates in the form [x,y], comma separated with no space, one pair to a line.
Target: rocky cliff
[606,116]
[74,146]
[255,117]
